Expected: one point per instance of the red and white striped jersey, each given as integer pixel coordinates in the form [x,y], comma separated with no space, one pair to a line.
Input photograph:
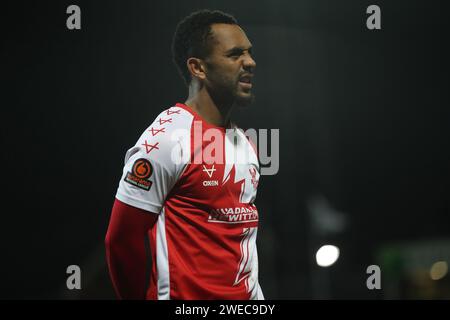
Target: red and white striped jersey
[202,181]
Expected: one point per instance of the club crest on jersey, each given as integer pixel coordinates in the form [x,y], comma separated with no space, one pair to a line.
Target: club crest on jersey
[254,179]
[139,174]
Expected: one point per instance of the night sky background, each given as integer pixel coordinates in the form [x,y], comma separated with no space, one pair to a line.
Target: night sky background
[363,116]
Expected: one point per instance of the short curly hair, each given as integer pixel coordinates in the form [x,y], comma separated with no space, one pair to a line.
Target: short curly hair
[192,35]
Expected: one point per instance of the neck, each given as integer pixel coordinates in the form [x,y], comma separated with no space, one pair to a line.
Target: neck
[213,110]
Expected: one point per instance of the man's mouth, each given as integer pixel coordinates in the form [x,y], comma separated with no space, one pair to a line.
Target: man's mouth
[246,81]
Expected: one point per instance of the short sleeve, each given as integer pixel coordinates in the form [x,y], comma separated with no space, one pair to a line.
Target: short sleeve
[153,166]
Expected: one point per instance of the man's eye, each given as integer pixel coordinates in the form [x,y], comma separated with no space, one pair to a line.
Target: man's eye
[235,55]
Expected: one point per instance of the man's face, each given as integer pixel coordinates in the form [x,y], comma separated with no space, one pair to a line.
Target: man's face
[230,66]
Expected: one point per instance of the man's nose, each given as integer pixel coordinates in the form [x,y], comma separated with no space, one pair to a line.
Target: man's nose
[249,63]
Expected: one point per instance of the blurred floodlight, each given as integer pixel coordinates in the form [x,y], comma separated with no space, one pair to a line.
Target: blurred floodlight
[327,255]
[438,270]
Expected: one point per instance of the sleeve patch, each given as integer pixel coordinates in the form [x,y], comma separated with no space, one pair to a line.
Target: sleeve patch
[140,174]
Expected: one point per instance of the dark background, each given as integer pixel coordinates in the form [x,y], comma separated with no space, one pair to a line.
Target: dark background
[363,118]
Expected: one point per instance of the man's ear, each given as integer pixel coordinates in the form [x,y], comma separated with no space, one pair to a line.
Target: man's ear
[196,68]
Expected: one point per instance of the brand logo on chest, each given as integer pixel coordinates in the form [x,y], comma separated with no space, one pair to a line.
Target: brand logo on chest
[209,170]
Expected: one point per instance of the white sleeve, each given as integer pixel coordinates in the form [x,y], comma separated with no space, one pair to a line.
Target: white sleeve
[153,166]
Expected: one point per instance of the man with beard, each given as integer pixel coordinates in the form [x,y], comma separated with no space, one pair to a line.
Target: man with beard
[189,184]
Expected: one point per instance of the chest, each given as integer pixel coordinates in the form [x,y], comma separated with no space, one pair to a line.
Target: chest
[226,174]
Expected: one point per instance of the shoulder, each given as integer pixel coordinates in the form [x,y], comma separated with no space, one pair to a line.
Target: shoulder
[166,137]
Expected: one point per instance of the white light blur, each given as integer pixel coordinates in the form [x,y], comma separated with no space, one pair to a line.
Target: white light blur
[327,255]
